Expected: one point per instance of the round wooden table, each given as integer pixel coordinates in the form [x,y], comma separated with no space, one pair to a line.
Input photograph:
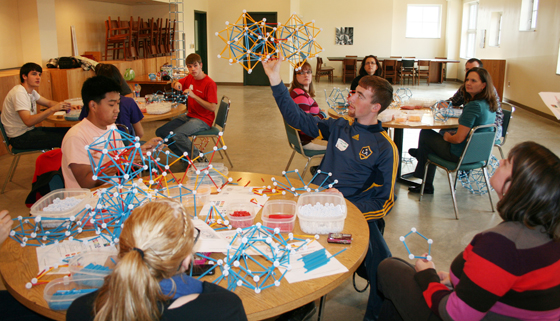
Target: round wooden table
[180,109]
[428,122]
[18,265]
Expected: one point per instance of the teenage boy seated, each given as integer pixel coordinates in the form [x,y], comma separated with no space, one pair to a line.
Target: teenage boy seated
[101,96]
[20,114]
[202,102]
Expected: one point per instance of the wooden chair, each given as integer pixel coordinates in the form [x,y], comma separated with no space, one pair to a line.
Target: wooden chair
[443,68]
[390,70]
[155,27]
[116,38]
[407,70]
[132,52]
[349,68]
[164,38]
[423,70]
[323,71]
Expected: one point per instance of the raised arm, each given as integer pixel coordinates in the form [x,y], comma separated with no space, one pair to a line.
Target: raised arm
[32,120]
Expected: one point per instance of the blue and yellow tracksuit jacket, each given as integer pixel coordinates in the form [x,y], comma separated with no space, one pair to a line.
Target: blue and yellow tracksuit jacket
[362,158]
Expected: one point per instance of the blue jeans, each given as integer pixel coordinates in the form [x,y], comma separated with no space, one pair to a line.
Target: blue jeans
[377,252]
[183,127]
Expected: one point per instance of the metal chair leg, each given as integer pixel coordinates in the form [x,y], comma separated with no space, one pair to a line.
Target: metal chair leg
[290,161]
[424,180]
[305,169]
[501,152]
[488,187]
[322,303]
[11,172]
[227,156]
[449,178]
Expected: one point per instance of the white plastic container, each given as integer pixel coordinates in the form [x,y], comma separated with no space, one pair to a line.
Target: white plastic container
[279,213]
[60,293]
[81,193]
[321,224]
[241,221]
[75,102]
[97,264]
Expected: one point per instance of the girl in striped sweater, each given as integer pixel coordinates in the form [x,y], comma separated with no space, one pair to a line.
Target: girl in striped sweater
[509,272]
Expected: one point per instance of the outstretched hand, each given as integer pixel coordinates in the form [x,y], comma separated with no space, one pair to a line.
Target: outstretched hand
[272,69]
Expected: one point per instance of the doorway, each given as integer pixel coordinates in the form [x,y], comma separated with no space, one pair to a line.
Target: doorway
[258,76]
[201,39]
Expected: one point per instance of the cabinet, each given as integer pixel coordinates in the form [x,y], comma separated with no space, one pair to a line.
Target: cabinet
[497,70]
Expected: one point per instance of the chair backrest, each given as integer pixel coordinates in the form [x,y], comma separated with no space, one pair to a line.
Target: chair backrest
[508,114]
[389,66]
[479,145]
[223,111]
[350,64]
[5,137]
[423,63]
[319,64]
[293,138]
[408,63]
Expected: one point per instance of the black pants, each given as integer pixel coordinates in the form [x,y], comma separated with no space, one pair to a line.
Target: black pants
[40,138]
[431,142]
[403,296]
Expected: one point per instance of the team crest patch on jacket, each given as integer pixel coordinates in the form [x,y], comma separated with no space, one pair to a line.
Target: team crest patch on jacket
[356,137]
[365,152]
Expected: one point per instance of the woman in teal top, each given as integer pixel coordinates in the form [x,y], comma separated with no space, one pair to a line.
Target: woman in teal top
[480,109]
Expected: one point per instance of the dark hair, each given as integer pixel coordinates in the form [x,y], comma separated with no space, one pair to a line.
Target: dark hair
[534,192]
[96,87]
[27,68]
[487,93]
[296,84]
[378,71]
[110,71]
[470,61]
[192,58]
[381,88]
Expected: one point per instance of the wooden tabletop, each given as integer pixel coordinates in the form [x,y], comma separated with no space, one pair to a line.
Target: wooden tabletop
[147,117]
[18,265]
[145,79]
[398,59]
[427,122]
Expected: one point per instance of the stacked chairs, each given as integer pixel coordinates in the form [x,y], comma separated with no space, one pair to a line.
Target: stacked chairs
[139,38]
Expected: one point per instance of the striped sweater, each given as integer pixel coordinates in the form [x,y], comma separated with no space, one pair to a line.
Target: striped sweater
[308,105]
[509,271]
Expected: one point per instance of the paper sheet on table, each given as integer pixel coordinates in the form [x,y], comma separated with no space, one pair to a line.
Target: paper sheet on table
[59,254]
[233,194]
[209,240]
[297,273]
[552,101]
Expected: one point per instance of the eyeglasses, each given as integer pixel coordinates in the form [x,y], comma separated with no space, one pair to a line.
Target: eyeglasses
[197,235]
[303,72]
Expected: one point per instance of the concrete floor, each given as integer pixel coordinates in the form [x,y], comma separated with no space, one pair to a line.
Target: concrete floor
[257,142]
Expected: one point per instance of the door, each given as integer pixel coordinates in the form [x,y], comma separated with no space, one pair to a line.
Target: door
[200,38]
[257,76]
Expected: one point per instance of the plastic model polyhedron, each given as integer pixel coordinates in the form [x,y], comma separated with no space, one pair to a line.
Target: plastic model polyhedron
[412,256]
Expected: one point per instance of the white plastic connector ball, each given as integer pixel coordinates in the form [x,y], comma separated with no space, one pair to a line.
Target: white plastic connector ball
[28,285]
[401,238]
[429,257]
[257,290]
[430,241]
[256,278]
[239,283]
[411,256]
[258,225]
[413,230]
[276,230]
[236,263]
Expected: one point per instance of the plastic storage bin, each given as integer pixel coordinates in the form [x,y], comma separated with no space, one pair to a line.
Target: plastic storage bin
[241,221]
[279,213]
[97,264]
[81,193]
[321,224]
[60,293]
[209,179]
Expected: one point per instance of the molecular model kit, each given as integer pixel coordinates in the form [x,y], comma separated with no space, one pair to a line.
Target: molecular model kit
[118,160]
[412,256]
[249,42]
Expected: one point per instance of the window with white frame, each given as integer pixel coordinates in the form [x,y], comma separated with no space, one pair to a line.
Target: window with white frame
[528,16]
[423,21]
[468,41]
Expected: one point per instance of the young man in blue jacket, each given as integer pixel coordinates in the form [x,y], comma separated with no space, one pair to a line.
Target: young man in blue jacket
[360,155]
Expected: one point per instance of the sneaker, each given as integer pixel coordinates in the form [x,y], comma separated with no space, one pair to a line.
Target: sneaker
[413,152]
[417,189]
[302,313]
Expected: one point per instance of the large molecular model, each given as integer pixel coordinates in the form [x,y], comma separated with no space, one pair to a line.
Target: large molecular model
[291,189]
[117,159]
[412,256]
[249,42]
[336,100]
